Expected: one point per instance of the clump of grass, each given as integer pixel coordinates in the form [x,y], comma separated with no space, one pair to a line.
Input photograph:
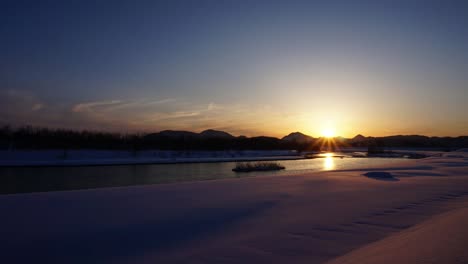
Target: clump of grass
[257,166]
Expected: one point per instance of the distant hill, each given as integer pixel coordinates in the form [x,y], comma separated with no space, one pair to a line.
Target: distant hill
[211,133]
[359,141]
[358,138]
[298,137]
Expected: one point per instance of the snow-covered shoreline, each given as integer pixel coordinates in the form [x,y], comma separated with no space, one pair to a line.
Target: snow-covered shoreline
[57,158]
[122,162]
[36,158]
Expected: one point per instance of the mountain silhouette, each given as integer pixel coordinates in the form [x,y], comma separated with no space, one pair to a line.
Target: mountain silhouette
[211,133]
[298,137]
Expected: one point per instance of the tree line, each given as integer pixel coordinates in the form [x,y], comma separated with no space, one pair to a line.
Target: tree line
[28,137]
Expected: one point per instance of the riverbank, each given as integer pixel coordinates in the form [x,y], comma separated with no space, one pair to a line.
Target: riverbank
[67,158]
[309,218]
[59,178]
[56,158]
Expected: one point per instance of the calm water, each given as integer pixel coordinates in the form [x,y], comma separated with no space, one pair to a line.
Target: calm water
[40,179]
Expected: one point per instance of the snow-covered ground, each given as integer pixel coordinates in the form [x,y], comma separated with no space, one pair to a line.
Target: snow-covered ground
[415,214]
[440,239]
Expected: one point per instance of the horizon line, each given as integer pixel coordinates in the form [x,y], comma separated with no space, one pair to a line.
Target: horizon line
[213,129]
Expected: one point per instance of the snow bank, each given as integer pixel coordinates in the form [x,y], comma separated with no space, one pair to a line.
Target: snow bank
[442,239]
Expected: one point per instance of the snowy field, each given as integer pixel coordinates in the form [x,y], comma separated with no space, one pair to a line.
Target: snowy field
[415,212]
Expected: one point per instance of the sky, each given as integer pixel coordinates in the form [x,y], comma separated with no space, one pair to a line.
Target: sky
[246,67]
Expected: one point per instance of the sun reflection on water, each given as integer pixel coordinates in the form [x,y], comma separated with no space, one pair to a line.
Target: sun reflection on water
[328,163]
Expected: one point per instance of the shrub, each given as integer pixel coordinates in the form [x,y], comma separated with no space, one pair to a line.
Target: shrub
[257,166]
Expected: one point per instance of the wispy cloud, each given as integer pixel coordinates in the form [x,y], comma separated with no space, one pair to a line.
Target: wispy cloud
[212,106]
[171,115]
[18,104]
[142,103]
[113,105]
[90,106]
[37,107]
[147,114]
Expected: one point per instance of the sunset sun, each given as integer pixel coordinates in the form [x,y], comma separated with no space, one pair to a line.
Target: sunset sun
[328,132]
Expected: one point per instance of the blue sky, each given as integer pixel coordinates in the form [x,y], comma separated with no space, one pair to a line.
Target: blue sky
[247,67]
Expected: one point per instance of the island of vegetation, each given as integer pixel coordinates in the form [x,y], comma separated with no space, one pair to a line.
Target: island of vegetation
[257,166]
